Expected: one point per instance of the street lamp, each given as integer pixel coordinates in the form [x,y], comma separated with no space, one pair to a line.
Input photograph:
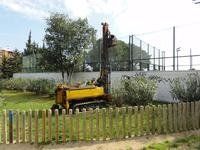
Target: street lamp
[177,50]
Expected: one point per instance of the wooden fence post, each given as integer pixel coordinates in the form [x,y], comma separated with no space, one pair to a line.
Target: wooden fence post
[184,117]
[91,123]
[141,120]
[136,120]
[111,122]
[170,118]
[188,118]
[164,119]
[43,126]
[71,125]
[97,123]
[175,117]
[49,124]
[10,126]
[36,126]
[77,124]
[23,127]
[159,119]
[17,127]
[124,121]
[180,120]
[30,126]
[130,121]
[117,133]
[197,114]
[148,119]
[57,125]
[193,115]
[4,127]
[153,118]
[84,124]
[64,126]
[104,123]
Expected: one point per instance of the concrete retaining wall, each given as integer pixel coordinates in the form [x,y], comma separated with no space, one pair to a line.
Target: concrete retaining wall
[162,94]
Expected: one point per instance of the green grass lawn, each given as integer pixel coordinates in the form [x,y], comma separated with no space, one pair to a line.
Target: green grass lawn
[26,100]
[188,143]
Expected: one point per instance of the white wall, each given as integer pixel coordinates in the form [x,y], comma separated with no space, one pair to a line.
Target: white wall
[162,94]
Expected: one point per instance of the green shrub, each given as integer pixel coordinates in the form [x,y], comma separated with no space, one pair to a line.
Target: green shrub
[2,101]
[1,85]
[138,90]
[117,97]
[16,84]
[42,86]
[186,89]
[38,86]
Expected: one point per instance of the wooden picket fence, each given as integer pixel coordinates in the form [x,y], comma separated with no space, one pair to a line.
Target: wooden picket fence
[45,126]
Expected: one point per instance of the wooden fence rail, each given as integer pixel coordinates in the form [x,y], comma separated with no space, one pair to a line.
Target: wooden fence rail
[44,126]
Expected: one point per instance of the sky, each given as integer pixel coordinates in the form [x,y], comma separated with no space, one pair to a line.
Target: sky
[151,21]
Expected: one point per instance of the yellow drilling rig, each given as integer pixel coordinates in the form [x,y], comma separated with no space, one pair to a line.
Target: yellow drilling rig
[97,95]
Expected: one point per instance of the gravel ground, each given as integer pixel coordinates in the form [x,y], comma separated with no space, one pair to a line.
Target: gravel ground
[136,143]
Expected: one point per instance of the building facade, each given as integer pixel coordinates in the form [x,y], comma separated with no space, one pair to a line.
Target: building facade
[5,53]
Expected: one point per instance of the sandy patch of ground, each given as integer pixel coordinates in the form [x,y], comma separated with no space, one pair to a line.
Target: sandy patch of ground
[128,144]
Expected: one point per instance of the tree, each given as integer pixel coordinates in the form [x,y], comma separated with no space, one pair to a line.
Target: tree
[31,47]
[11,64]
[65,40]
[119,56]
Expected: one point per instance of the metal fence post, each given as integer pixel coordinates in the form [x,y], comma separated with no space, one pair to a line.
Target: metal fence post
[154,51]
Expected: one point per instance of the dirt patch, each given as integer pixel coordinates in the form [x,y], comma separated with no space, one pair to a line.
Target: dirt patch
[128,144]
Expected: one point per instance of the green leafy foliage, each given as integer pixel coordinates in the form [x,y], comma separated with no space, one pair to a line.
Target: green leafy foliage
[117,97]
[39,86]
[31,47]
[65,40]
[137,90]
[118,55]
[2,100]
[42,86]
[186,89]
[11,64]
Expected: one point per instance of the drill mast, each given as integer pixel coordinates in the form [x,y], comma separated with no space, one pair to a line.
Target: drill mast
[108,41]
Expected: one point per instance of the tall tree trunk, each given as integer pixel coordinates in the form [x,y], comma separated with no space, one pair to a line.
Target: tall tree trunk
[63,76]
[70,71]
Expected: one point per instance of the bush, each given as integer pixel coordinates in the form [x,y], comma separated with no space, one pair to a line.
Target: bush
[2,101]
[42,86]
[16,84]
[38,86]
[138,90]
[117,97]
[186,89]
[1,85]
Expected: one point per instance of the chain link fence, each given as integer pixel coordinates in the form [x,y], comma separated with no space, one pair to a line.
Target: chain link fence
[141,57]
